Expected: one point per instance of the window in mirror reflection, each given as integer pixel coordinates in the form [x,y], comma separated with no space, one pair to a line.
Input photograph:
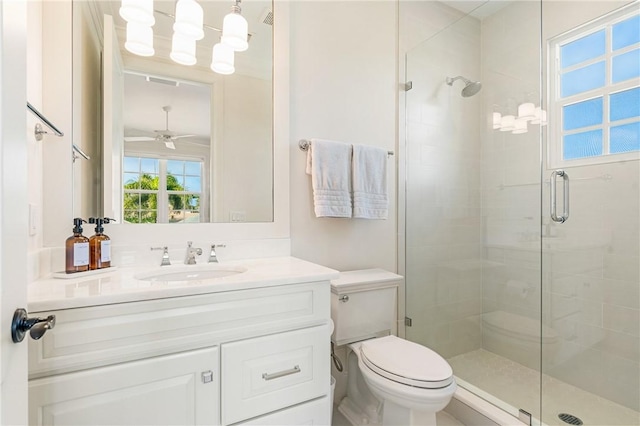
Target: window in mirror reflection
[162,190]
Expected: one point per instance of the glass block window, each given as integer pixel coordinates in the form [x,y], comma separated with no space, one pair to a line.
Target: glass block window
[595,91]
[162,190]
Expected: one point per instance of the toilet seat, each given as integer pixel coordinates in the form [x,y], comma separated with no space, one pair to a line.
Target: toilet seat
[406,362]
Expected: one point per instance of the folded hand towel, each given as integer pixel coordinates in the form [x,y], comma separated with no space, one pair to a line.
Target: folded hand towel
[370,196]
[329,164]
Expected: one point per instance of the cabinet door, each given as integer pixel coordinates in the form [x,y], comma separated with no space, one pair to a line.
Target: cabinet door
[179,389]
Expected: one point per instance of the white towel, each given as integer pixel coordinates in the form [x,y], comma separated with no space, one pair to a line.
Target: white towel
[329,164]
[370,193]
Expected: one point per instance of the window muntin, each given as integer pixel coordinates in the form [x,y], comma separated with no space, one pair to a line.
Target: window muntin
[595,104]
[162,190]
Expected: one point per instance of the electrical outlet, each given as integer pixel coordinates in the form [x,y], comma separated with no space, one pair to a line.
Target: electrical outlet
[238,216]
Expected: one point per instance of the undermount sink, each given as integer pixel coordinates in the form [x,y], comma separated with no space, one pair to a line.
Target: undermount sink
[190,273]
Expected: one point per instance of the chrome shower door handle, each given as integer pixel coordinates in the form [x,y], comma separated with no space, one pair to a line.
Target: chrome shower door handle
[565,196]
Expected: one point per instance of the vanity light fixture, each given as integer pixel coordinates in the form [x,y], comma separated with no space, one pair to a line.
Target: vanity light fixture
[526,111]
[235,29]
[507,123]
[497,120]
[139,11]
[540,117]
[189,19]
[222,59]
[520,126]
[139,39]
[183,49]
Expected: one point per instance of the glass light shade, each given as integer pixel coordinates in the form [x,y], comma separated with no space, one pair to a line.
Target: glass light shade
[507,123]
[526,111]
[497,120]
[183,49]
[222,59]
[189,19]
[520,126]
[234,32]
[139,39]
[139,11]
[540,117]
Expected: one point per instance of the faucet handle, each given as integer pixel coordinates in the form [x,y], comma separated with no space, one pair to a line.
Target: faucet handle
[165,255]
[213,257]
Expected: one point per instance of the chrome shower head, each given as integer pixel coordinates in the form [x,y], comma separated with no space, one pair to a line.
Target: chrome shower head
[470,87]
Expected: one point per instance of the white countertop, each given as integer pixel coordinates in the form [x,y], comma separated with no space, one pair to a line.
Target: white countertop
[120,285]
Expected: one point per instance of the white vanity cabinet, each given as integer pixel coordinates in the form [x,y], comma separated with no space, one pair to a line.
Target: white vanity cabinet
[253,356]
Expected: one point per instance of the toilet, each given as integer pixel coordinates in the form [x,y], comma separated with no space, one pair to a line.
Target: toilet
[391,381]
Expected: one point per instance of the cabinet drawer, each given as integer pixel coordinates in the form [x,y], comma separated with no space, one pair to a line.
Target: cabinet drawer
[101,335]
[316,412]
[268,373]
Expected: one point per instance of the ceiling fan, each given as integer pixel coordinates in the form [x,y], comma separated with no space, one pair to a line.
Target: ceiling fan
[166,136]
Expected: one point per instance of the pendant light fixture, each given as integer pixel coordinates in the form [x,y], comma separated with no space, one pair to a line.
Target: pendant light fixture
[183,49]
[189,19]
[526,111]
[139,39]
[497,120]
[139,11]
[235,29]
[222,59]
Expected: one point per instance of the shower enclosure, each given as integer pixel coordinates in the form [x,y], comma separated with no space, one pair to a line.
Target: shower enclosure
[521,187]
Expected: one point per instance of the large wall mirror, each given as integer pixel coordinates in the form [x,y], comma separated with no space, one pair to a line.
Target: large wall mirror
[172,143]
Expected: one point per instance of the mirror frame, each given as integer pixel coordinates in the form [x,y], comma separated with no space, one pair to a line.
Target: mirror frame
[57,222]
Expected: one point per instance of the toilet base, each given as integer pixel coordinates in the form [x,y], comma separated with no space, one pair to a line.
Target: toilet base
[356,416]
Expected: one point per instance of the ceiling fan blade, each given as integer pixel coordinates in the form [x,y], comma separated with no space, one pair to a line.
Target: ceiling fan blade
[138,138]
[169,144]
[182,136]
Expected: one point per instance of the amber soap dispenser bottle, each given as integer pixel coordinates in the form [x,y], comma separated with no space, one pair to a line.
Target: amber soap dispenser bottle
[77,249]
[100,244]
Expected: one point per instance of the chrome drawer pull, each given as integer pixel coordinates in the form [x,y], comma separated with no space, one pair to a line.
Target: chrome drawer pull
[283,373]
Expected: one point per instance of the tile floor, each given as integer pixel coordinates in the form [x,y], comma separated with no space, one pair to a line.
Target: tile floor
[519,387]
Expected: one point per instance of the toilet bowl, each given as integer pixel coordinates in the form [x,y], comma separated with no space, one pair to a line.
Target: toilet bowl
[391,381]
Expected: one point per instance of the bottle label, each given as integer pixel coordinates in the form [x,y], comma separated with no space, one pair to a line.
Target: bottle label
[80,254]
[105,251]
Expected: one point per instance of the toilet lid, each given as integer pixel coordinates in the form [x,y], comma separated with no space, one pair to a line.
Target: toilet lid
[406,362]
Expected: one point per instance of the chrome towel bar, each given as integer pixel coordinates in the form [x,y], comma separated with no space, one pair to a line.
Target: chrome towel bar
[304,144]
[38,129]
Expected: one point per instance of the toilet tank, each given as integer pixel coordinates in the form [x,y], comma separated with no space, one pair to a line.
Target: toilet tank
[364,305]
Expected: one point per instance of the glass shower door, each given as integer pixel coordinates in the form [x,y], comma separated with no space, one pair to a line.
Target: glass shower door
[591,215]
[473,200]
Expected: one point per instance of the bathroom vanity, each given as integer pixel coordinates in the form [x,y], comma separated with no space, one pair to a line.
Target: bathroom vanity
[246,348]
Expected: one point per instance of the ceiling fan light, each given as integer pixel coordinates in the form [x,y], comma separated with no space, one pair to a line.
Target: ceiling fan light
[183,50]
[234,30]
[139,11]
[189,19]
[222,59]
[139,39]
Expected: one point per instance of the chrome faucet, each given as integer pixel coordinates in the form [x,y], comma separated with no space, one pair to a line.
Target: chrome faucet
[165,255]
[213,258]
[190,257]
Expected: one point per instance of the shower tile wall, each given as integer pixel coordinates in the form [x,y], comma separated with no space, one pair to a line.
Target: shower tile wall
[443,191]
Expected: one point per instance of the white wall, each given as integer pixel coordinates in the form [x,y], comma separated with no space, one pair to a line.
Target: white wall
[343,87]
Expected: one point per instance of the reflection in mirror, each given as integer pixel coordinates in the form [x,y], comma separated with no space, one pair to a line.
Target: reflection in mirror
[167,140]
[181,144]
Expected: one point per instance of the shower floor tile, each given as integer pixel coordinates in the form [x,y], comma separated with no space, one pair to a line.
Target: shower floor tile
[519,387]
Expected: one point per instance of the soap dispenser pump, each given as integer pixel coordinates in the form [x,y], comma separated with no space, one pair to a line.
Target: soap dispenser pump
[100,244]
[77,249]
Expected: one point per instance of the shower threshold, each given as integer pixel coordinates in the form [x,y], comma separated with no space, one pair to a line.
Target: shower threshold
[511,386]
